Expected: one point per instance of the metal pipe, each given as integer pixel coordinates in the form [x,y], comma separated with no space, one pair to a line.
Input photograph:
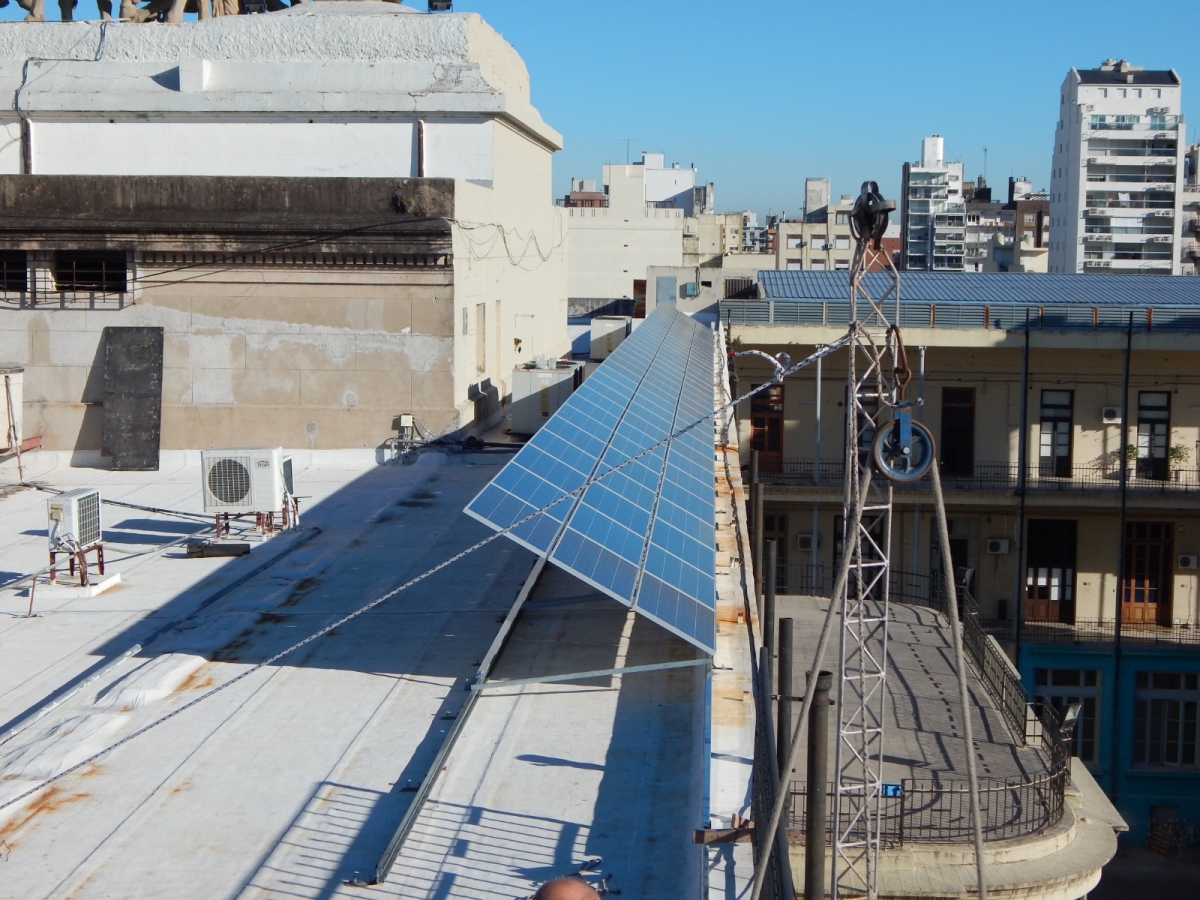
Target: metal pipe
[817,428]
[783,687]
[960,666]
[775,844]
[1022,471]
[768,623]
[1123,483]
[817,800]
[756,525]
[921,386]
[420,148]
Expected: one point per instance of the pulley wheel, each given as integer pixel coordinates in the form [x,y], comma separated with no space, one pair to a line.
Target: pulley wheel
[890,456]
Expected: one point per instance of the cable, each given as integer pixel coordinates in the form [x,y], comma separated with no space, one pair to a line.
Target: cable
[819,354]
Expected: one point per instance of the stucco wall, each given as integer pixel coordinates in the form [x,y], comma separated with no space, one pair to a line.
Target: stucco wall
[253,357]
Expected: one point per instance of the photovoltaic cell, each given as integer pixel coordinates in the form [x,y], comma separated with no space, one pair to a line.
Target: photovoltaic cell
[644,534]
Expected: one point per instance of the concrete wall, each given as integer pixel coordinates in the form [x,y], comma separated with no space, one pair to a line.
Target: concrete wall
[519,277]
[611,248]
[709,281]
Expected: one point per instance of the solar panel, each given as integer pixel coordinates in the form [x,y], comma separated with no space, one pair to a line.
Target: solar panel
[644,534]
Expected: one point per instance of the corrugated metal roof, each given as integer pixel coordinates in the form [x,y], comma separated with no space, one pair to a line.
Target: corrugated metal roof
[998,288]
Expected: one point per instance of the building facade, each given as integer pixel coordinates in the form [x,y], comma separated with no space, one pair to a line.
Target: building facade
[1116,187]
[1028,432]
[932,212]
[646,213]
[326,231]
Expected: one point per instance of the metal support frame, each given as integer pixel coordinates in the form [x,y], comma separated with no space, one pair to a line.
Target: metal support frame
[863,600]
[595,673]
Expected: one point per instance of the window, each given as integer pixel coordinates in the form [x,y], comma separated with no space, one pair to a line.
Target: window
[1055,439]
[839,264]
[1050,573]
[90,270]
[466,326]
[1153,430]
[1064,687]
[1103,92]
[1136,93]
[1030,218]
[841,243]
[1122,93]
[14,271]
[818,265]
[1156,93]
[958,432]
[1164,719]
[842,218]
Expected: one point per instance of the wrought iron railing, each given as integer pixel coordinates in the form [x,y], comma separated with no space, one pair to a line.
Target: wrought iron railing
[996,673]
[939,811]
[1003,476]
[932,812]
[1098,631]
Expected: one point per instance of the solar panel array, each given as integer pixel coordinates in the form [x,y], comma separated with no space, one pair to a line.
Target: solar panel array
[645,534]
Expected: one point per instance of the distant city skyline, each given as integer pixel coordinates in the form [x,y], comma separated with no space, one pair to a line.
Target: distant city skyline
[759,97]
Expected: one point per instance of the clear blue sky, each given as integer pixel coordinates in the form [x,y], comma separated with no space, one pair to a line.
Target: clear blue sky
[760,95]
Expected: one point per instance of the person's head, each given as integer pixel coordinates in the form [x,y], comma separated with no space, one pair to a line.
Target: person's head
[569,887]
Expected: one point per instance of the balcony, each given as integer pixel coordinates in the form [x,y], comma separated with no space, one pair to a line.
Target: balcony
[1099,631]
[1000,476]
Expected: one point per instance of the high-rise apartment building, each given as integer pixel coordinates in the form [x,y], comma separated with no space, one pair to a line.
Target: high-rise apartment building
[1117,184]
[933,213]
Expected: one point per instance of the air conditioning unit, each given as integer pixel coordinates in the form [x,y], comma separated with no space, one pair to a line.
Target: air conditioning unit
[245,480]
[1187,561]
[997,546]
[73,520]
[1110,415]
[806,542]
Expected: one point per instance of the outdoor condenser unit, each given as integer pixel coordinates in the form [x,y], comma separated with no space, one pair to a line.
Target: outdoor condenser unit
[997,546]
[73,520]
[806,542]
[1187,561]
[245,480]
[1111,415]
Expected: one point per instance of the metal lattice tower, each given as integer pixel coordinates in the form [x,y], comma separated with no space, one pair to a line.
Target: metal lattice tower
[867,534]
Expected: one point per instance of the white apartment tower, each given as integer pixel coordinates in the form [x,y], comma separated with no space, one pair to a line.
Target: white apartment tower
[933,215]
[1116,189]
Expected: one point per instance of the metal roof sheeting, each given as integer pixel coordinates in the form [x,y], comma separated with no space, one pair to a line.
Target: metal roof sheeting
[993,289]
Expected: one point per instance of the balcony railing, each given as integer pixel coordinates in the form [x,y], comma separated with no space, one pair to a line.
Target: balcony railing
[1099,631]
[1002,476]
[939,812]
[964,315]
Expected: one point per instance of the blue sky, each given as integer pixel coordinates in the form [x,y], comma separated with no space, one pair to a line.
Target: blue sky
[761,95]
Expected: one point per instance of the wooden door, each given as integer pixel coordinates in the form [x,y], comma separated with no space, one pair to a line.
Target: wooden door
[1050,570]
[1146,586]
[766,428]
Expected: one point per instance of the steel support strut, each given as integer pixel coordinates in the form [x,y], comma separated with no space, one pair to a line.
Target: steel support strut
[872,366]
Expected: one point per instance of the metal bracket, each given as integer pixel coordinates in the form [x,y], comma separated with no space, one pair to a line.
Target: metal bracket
[596,673]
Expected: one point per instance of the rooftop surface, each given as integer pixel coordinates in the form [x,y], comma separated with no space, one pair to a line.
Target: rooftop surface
[999,288]
[295,778]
